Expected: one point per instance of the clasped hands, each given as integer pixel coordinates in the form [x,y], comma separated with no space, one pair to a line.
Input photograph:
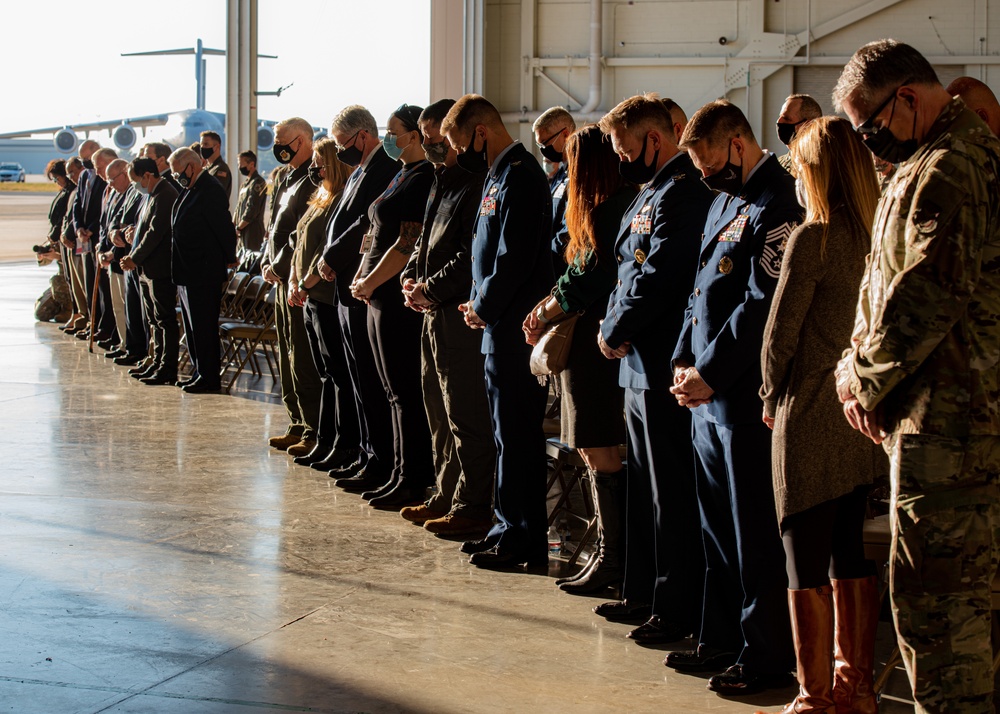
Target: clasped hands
[689,388]
[869,423]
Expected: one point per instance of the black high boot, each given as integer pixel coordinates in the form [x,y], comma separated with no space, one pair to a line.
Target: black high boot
[609,568]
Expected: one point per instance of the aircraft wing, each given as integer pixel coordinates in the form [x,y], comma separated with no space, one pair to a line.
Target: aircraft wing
[150,120]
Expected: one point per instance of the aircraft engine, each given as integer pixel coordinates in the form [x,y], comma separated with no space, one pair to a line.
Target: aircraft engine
[265,137]
[124,136]
[65,141]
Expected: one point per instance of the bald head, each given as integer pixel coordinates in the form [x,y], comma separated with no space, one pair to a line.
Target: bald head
[87,149]
[980,99]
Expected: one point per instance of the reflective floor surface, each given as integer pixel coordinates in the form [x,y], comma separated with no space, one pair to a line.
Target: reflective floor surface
[158,557]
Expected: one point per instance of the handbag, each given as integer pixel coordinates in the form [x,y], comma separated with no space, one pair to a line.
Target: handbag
[551,353]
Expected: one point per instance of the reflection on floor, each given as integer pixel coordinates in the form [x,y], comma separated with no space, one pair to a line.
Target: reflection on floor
[157,557]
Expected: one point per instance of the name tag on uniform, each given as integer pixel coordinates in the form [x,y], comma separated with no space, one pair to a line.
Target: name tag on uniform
[366,242]
[488,207]
[734,231]
[642,223]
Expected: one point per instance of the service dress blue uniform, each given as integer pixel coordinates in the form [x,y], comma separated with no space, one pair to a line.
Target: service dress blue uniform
[657,249]
[511,272]
[745,608]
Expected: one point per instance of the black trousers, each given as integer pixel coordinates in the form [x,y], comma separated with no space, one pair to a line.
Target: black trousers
[827,541]
[375,416]
[136,334]
[394,333]
[517,408]
[664,561]
[159,297]
[339,425]
[200,305]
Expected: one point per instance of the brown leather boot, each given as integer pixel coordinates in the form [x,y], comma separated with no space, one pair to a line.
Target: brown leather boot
[811,612]
[856,607]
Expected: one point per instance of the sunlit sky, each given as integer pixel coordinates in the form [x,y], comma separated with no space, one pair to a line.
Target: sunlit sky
[63,63]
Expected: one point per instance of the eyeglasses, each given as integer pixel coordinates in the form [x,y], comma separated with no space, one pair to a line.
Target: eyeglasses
[867,128]
[548,141]
[115,177]
[349,142]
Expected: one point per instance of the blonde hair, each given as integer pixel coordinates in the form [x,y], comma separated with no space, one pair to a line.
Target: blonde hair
[336,174]
[837,175]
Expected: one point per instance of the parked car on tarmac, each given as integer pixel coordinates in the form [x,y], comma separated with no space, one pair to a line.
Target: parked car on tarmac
[10,171]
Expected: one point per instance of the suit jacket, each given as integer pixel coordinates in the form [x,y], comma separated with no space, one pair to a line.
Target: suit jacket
[152,241]
[221,172]
[87,208]
[203,232]
[57,212]
[250,208]
[110,205]
[511,263]
[348,224]
[442,258]
[740,261]
[125,214]
[657,250]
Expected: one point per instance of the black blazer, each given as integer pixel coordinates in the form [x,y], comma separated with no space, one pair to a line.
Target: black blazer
[57,212]
[203,232]
[349,222]
[151,243]
[125,213]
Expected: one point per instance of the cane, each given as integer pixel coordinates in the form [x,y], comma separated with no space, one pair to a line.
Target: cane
[93,304]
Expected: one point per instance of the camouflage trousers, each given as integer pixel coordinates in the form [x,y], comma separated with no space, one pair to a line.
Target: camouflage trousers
[945,540]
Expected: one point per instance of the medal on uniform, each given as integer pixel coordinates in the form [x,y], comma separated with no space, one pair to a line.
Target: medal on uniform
[640,256]
[734,231]
[725,265]
[642,223]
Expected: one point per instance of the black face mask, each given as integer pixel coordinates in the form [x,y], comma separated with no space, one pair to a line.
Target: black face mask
[351,155]
[284,153]
[638,172]
[182,179]
[884,144]
[473,161]
[245,170]
[551,154]
[786,132]
[88,164]
[314,175]
[206,152]
[727,180]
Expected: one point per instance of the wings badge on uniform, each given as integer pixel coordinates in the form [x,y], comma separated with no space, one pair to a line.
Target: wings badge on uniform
[774,248]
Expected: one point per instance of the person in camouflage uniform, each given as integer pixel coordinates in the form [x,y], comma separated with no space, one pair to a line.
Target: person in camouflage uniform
[922,372]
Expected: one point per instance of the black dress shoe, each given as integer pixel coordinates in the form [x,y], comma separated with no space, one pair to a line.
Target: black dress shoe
[624,611]
[480,546]
[108,344]
[149,371]
[337,459]
[657,631]
[318,453]
[351,469]
[128,360]
[738,681]
[82,335]
[201,387]
[399,497]
[381,490]
[115,353]
[494,558]
[703,659]
[365,480]
[185,382]
[158,379]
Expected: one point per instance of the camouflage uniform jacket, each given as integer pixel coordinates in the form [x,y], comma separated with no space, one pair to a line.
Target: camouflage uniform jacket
[926,342]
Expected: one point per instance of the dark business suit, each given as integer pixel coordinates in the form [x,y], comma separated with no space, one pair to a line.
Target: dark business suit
[204,243]
[560,234]
[657,249]
[151,252]
[745,608]
[344,235]
[511,272]
[87,214]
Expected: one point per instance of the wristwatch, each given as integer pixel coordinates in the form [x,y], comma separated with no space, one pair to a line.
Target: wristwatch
[302,285]
[540,315]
